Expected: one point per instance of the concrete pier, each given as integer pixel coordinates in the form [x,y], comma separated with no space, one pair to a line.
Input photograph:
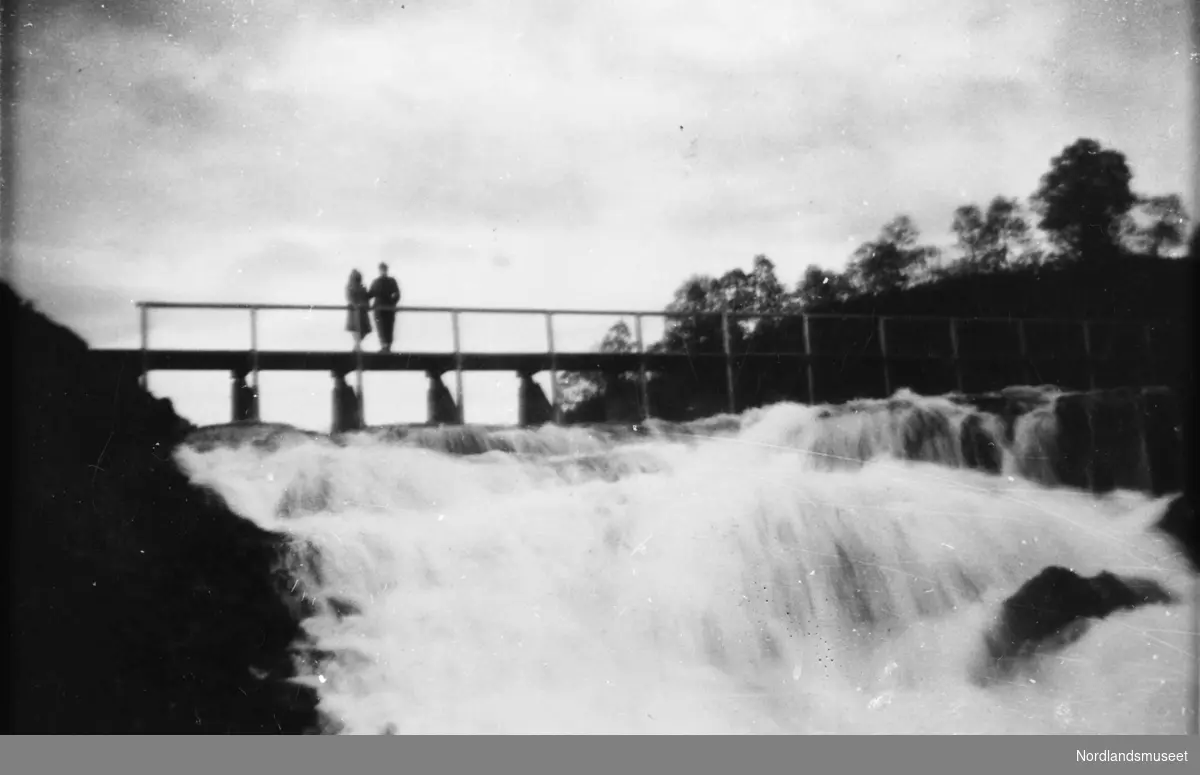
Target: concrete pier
[441,409]
[347,406]
[245,398]
[533,407]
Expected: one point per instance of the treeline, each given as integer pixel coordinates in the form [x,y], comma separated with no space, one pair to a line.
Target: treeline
[1084,244]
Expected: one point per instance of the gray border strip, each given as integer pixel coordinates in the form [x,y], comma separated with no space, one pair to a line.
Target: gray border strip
[495,755]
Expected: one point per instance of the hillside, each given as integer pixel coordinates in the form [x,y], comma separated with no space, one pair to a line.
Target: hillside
[1129,287]
[140,604]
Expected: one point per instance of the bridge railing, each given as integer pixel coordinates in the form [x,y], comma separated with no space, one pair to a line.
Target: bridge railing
[959,337]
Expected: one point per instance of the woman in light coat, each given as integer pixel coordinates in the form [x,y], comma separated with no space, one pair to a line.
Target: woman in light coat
[358,320]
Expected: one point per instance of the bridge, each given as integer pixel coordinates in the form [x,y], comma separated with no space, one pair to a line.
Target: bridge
[885,345]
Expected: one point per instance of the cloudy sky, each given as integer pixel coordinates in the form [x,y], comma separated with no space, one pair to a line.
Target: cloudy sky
[533,153]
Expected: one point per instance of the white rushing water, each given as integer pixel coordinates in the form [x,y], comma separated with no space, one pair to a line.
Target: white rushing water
[718,584]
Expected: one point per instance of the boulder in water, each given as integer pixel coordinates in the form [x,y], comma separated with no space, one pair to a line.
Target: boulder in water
[1055,609]
[1179,522]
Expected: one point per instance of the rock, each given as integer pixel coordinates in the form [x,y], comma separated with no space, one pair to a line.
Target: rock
[1179,522]
[1055,609]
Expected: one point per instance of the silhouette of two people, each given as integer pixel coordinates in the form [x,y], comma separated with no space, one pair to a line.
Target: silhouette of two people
[385,292]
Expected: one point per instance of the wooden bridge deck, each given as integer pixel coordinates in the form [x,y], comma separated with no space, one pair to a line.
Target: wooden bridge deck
[344,362]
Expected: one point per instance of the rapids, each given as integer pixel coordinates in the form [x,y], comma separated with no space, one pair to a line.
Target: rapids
[777,572]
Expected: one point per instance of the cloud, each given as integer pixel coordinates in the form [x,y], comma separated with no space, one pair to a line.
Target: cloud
[547,154]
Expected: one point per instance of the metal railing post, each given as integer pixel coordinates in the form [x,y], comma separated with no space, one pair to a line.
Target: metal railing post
[254,408]
[958,374]
[642,382]
[728,362]
[254,345]
[1087,354]
[887,370]
[1150,363]
[458,369]
[145,323]
[358,379]
[1139,404]
[554,397]
[808,363]
[1025,368]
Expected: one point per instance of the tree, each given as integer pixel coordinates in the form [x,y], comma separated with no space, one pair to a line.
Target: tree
[969,226]
[618,339]
[891,260]
[1164,224]
[1084,197]
[758,291]
[736,291]
[769,293]
[698,293]
[576,388]
[695,293]
[820,287]
[993,239]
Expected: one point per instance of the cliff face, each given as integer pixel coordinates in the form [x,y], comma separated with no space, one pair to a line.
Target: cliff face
[140,604]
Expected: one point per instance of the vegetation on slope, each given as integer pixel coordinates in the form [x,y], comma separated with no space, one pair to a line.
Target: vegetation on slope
[1085,245]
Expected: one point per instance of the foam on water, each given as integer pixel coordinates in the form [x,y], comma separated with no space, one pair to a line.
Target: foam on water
[576,582]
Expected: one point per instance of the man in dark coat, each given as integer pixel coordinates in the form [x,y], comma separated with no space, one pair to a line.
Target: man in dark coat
[385,292]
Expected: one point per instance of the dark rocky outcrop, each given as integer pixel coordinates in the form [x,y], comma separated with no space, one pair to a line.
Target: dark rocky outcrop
[980,450]
[1008,404]
[1055,609]
[1179,522]
[140,603]
[1166,428]
[1098,440]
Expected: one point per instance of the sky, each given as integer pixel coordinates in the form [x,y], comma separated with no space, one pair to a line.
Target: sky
[532,153]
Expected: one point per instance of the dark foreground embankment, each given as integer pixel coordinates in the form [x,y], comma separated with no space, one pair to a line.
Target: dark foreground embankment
[140,604]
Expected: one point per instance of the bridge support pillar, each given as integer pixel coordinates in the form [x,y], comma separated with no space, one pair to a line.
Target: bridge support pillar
[245,399]
[441,407]
[534,408]
[347,406]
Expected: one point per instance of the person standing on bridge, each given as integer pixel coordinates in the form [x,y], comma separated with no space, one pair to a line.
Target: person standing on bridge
[358,320]
[386,293]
